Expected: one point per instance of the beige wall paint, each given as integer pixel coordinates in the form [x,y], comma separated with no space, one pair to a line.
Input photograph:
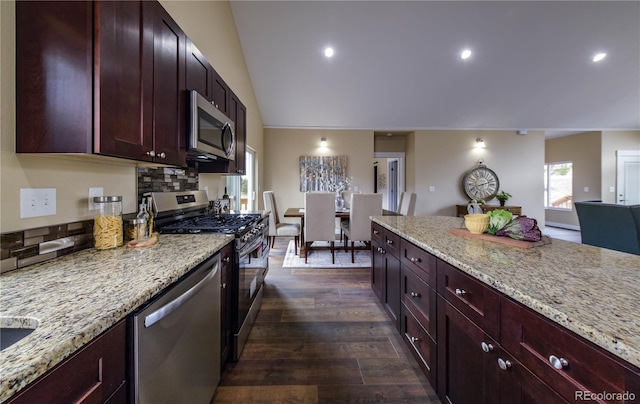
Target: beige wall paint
[283,148]
[390,144]
[613,141]
[216,36]
[583,149]
[434,158]
[443,157]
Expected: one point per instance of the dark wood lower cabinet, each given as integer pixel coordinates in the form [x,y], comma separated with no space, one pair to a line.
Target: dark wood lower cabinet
[476,345]
[226,333]
[467,372]
[94,374]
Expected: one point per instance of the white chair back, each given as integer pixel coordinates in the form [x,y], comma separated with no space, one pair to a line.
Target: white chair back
[319,216]
[407,204]
[270,204]
[362,207]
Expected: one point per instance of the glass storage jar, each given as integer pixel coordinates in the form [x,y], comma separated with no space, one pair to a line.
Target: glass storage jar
[107,224]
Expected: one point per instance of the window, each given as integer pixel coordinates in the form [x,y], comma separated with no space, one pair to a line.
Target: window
[244,186]
[558,185]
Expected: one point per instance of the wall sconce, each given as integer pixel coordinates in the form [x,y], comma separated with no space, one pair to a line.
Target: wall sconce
[480,143]
[323,142]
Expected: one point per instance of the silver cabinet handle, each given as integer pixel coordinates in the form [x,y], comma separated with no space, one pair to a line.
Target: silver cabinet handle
[486,347]
[162,155]
[379,249]
[416,260]
[389,242]
[168,308]
[226,259]
[461,292]
[503,364]
[414,294]
[151,153]
[376,232]
[415,339]
[382,251]
[558,363]
[224,285]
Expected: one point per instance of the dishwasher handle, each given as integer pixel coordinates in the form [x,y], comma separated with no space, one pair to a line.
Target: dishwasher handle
[165,310]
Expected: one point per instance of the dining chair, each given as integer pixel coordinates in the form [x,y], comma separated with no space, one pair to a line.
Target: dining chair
[358,228]
[407,204]
[276,228]
[319,220]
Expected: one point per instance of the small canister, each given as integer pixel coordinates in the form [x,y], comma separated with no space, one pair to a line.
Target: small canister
[134,229]
[107,225]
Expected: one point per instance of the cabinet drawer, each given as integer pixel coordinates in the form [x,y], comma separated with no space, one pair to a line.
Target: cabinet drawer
[389,240]
[538,342]
[421,345]
[420,262]
[473,298]
[420,299]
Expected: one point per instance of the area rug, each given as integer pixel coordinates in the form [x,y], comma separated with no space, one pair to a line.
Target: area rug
[322,258]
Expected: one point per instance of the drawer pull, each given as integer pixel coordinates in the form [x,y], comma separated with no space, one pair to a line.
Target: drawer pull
[224,285]
[226,259]
[389,242]
[461,292]
[487,347]
[376,232]
[503,364]
[382,251]
[415,294]
[415,260]
[558,363]
[415,339]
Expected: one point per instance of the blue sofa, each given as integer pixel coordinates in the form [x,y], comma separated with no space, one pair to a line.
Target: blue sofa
[607,225]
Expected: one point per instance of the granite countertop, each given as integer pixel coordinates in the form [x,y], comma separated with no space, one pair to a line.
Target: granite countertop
[591,291]
[77,297]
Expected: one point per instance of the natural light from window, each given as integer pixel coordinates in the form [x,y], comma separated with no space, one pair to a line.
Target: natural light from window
[558,185]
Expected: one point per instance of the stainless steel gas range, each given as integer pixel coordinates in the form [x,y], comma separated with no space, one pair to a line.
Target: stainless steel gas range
[188,212]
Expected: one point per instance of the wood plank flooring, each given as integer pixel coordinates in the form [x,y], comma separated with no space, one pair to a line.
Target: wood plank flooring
[322,337]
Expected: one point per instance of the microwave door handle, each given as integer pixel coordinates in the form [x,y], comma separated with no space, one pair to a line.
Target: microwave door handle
[231,147]
[165,310]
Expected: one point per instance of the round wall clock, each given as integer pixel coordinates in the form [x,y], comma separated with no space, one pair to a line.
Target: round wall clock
[481,183]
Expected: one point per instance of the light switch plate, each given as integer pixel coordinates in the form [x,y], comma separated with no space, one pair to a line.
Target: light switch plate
[432,189]
[36,202]
[97,191]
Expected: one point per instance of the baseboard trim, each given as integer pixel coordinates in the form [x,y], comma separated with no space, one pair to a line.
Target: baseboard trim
[562,226]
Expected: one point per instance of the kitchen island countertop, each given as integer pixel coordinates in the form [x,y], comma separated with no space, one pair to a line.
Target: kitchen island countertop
[592,291]
[77,297]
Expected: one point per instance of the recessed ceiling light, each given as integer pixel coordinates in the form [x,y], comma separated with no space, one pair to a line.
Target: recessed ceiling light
[599,56]
[466,54]
[328,51]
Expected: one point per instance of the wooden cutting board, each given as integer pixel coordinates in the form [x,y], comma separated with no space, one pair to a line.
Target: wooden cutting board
[501,240]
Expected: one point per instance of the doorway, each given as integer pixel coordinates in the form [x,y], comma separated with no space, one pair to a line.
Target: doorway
[393,185]
[389,172]
[628,177]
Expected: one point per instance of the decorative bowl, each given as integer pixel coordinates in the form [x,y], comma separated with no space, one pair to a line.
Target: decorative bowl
[476,223]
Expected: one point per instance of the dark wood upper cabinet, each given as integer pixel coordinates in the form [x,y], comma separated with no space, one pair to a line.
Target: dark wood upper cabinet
[54,77]
[238,114]
[199,72]
[220,93]
[103,77]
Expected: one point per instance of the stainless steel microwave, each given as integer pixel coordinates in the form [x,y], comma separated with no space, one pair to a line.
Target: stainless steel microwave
[210,132]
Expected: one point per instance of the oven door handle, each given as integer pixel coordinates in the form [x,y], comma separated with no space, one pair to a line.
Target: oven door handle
[168,308]
[247,249]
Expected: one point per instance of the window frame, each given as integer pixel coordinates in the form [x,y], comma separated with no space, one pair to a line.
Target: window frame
[547,182]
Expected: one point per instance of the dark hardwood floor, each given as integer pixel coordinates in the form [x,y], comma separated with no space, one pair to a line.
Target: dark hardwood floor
[322,337]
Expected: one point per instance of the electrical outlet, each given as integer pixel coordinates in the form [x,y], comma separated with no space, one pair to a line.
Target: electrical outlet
[586,189]
[98,191]
[36,202]
[432,189]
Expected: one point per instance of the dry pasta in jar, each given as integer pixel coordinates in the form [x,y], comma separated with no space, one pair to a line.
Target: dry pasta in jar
[107,225]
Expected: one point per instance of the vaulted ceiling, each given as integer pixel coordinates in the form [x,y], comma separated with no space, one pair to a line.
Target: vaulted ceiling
[397,64]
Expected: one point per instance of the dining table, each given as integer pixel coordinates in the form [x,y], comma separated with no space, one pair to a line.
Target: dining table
[340,214]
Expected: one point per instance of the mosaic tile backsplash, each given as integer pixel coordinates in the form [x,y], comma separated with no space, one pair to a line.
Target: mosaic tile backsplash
[27,247]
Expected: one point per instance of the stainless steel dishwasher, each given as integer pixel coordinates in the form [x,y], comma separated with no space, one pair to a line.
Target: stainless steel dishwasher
[176,340]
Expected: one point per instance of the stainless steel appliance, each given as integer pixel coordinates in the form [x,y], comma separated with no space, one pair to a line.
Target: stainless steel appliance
[188,212]
[210,132]
[176,346]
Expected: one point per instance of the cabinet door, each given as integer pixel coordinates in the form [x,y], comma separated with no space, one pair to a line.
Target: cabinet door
[238,114]
[90,375]
[420,343]
[377,270]
[466,373]
[226,256]
[393,288]
[220,93]
[54,81]
[519,386]
[199,72]
[119,86]
[420,299]
[169,97]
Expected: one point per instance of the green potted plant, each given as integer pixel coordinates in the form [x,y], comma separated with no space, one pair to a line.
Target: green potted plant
[503,197]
